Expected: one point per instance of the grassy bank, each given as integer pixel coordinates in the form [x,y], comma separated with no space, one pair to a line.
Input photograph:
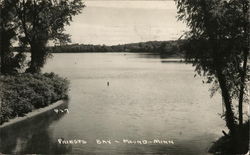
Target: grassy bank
[227,144]
[22,93]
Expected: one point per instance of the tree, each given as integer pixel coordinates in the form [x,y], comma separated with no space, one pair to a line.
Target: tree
[8,32]
[218,45]
[43,21]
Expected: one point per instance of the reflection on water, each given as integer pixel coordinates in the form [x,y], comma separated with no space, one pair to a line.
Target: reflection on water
[33,135]
[146,99]
[164,58]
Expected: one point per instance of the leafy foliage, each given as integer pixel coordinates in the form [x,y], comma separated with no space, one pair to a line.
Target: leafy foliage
[42,21]
[34,23]
[215,39]
[8,29]
[22,93]
[218,46]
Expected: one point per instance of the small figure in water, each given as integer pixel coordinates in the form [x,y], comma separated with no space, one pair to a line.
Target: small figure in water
[108,83]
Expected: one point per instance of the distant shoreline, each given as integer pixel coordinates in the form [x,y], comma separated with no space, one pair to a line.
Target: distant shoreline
[169,48]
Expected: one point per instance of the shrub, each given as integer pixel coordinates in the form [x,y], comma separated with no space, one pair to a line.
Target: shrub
[21,93]
[5,113]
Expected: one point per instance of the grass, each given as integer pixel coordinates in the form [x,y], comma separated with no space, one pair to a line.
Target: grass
[22,93]
[228,144]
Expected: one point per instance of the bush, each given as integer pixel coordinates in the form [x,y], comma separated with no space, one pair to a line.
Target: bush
[22,93]
[6,112]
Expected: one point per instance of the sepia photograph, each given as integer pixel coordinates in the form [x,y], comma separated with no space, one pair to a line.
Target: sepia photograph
[125,77]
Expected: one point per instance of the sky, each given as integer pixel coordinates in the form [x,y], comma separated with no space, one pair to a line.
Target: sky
[118,22]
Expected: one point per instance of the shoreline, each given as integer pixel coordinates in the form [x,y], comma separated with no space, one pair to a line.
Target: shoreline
[32,114]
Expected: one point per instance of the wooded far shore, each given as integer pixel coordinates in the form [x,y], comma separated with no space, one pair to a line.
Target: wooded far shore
[170,48]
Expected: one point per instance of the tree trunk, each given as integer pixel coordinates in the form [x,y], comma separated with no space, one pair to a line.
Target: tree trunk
[3,55]
[241,96]
[38,56]
[5,49]
[34,67]
[229,116]
[245,56]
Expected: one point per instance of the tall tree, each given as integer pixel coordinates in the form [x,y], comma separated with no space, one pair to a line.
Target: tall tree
[218,45]
[43,21]
[7,33]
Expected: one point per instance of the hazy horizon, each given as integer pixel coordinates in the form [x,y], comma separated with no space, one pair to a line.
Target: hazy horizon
[121,22]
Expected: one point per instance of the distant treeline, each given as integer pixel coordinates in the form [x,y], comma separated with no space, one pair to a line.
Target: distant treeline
[170,48]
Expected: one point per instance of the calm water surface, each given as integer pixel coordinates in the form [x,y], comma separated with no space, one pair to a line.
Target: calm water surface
[148,98]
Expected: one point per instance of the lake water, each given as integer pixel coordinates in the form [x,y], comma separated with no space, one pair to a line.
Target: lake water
[148,98]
